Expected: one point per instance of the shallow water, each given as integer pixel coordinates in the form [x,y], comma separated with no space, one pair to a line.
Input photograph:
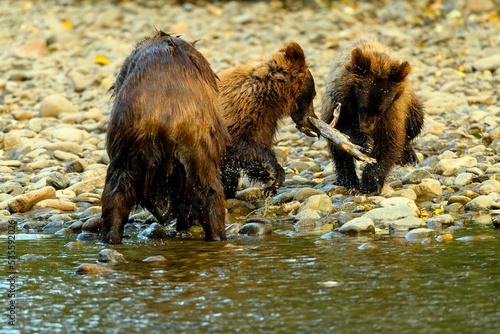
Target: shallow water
[273,284]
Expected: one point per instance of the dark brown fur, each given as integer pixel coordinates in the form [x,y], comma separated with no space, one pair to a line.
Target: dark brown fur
[165,140]
[254,98]
[379,105]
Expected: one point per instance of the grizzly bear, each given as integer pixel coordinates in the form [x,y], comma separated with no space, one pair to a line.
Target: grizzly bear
[378,106]
[165,140]
[254,97]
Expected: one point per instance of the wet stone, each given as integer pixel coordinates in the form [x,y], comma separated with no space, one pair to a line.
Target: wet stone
[407,224]
[304,193]
[250,195]
[57,180]
[416,176]
[419,234]
[307,225]
[440,221]
[255,229]
[154,231]
[93,224]
[368,246]
[53,227]
[110,256]
[88,268]
[155,258]
[307,214]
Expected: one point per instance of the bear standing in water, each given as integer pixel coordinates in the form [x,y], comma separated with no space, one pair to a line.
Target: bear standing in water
[254,98]
[378,106]
[165,139]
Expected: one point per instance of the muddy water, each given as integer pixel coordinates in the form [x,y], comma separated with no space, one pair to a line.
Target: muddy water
[272,284]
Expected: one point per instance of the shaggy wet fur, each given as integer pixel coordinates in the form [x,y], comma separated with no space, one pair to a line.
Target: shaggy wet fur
[378,106]
[165,139]
[254,98]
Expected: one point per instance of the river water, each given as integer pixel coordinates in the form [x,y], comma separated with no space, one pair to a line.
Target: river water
[271,284]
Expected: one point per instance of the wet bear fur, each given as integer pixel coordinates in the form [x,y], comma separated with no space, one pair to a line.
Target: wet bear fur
[254,97]
[379,106]
[165,139]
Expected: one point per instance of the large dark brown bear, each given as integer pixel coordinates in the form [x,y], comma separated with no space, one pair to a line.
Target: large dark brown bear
[378,106]
[254,98]
[165,139]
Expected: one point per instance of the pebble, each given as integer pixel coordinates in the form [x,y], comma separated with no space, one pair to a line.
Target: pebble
[25,202]
[304,193]
[54,105]
[419,234]
[389,214]
[89,268]
[154,231]
[155,258]
[476,238]
[317,202]
[250,195]
[406,224]
[368,246]
[440,221]
[358,225]
[307,214]
[111,256]
[255,229]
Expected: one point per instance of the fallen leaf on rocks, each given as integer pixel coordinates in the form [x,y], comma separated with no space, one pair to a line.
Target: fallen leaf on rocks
[67,24]
[444,238]
[424,215]
[101,60]
[214,10]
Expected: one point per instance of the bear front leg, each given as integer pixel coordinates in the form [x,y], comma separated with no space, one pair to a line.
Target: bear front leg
[387,152]
[117,199]
[266,169]
[345,170]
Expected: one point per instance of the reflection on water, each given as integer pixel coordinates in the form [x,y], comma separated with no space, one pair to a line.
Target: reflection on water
[262,285]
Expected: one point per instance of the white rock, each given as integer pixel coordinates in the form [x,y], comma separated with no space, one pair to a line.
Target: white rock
[358,225]
[54,105]
[398,200]
[454,163]
[389,214]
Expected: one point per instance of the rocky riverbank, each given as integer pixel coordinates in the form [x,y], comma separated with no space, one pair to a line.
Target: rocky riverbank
[58,61]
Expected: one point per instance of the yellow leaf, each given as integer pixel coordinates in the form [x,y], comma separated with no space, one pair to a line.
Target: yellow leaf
[318,180]
[106,82]
[439,211]
[367,207]
[424,215]
[214,10]
[101,60]
[493,18]
[228,33]
[67,24]
[287,151]
[28,5]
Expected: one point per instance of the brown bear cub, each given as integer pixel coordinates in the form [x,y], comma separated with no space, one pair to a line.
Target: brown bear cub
[254,98]
[165,139]
[379,107]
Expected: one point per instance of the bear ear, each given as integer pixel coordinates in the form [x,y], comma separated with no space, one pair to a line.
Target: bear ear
[400,72]
[360,61]
[294,53]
